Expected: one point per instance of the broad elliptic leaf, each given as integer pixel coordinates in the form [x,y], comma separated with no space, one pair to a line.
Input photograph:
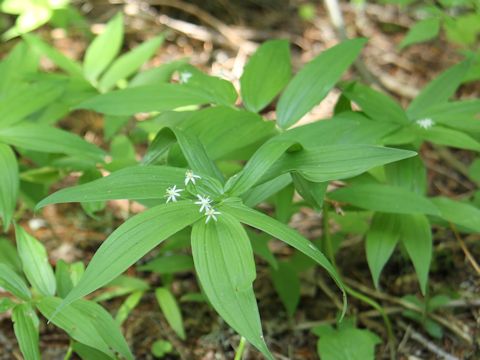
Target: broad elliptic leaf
[217,91]
[287,284]
[335,162]
[35,263]
[105,325]
[49,139]
[416,236]
[385,198]
[423,30]
[258,165]
[103,49]
[315,80]
[376,105]
[260,81]
[74,323]
[132,240]
[134,183]
[13,283]
[171,310]
[439,90]
[146,98]
[382,237]
[9,255]
[126,65]
[459,213]
[284,233]
[25,99]
[9,181]
[224,264]
[63,62]
[25,325]
[449,137]
[347,343]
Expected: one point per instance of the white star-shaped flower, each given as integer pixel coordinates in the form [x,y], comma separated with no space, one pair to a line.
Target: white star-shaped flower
[204,202]
[185,76]
[172,193]
[426,123]
[190,177]
[210,214]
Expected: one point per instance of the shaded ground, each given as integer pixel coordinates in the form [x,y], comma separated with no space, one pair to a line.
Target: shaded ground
[218,36]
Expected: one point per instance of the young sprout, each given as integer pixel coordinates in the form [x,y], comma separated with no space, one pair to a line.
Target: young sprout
[191,177]
[172,193]
[210,214]
[204,202]
[426,123]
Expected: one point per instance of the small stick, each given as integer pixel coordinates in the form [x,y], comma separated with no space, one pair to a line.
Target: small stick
[465,250]
[427,343]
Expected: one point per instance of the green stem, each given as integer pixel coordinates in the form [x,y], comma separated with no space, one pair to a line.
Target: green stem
[240,349]
[327,245]
[69,353]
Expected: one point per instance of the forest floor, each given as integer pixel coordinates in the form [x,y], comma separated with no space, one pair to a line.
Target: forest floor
[218,36]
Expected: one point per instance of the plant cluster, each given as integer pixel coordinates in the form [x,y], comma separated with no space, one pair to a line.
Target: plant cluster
[209,163]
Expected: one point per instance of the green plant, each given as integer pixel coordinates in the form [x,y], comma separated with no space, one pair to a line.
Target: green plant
[34,13]
[23,104]
[216,208]
[35,287]
[459,20]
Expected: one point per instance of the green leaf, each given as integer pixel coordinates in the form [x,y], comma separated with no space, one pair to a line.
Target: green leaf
[284,233]
[75,323]
[224,263]
[159,74]
[9,256]
[9,181]
[225,131]
[315,80]
[126,65]
[217,90]
[261,192]
[449,137]
[25,325]
[422,31]
[103,49]
[105,325]
[408,173]
[49,139]
[385,198]
[416,236]
[134,183]
[376,105]
[26,99]
[382,237]
[132,240]
[170,309]
[287,284]
[335,162]
[63,62]
[347,343]
[35,262]
[88,353]
[312,192]
[258,165]
[161,347]
[13,283]
[439,90]
[459,213]
[146,98]
[67,276]
[169,264]
[127,306]
[260,81]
